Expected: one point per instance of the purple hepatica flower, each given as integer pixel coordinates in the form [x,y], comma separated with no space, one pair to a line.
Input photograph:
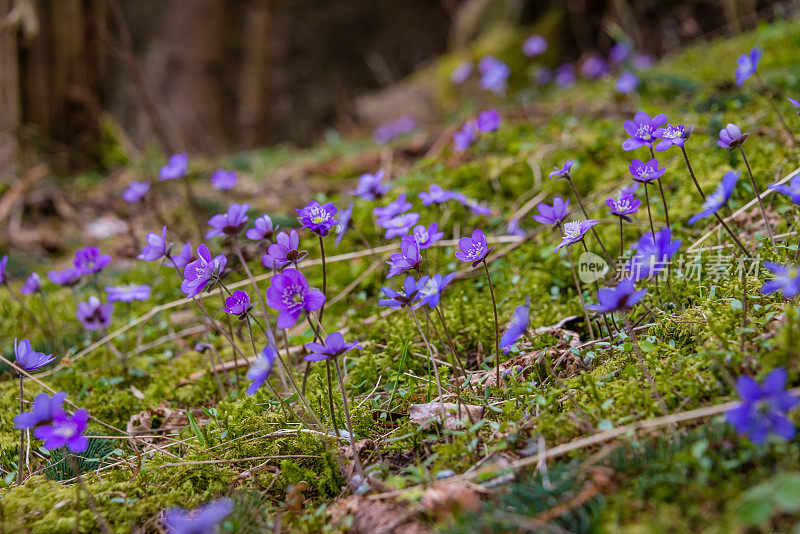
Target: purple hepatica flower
[202,271]
[230,223]
[285,249]
[223,180]
[261,369]
[291,296]
[552,214]
[44,409]
[627,82]
[642,61]
[435,195]
[574,232]
[155,246]
[619,53]
[731,137]
[344,224]
[488,121]
[410,294]
[670,136]
[3,275]
[426,237]
[646,173]
[185,257]
[392,209]
[128,293]
[494,74]
[177,166]
[399,225]
[461,72]
[29,359]
[642,129]
[370,186]
[390,130]
[516,326]
[65,431]
[594,67]
[513,228]
[263,229]
[719,198]
[135,191]
[474,207]
[333,347]
[431,293]
[565,75]
[408,258]
[652,254]
[787,280]
[88,260]
[467,135]
[619,298]
[473,249]
[624,206]
[534,45]
[33,284]
[67,277]
[203,520]
[763,408]
[238,303]
[792,190]
[543,76]
[795,103]
[94,314]
[747,64]
[319,218]
[564,171]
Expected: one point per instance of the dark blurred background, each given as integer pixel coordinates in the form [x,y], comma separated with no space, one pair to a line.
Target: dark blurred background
[219,75]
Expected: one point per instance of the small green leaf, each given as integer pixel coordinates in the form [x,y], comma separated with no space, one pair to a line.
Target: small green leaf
[196,429]
[755,511]
[647,346]
[787,492]
[736,304]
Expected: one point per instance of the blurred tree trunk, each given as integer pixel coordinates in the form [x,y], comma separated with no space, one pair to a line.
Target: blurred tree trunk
[10,112]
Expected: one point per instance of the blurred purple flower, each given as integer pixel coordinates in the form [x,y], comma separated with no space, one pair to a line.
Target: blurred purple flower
[642,129]
[344,224]
[3,274]
[203,520]
[473,249]
[29,359]
[426,237]
[177,166]
[627,82]
[135,191]
[435,195]
[319,218]
[795,103]
[792,190]
[202,271]
[333,347]
[513,228]
[390,130]
[392,209]
[230,223]
[488,121]
[406,297]
[431,293]
[670,136]
[652,254]
[534,45]
[93,314]
[731,137]
[65,431]
[574,232]
[747,64]
[128,293]
[565,75]
[33,284]
[89,260]
[155,246]
[517,326]
[285,249]
[786,280]
[261,368]
[45,408]
[185,257]
[494,74]
[467,135]
[618,298]
[67,277]
[552,214]
[398,225]
[263,229]
[461,72]
[642,61]
[223,180]
[543,76]
[407,259]
[619,53]
[763,408]
[238,303]
[719,198]
[594,67]
[291,296]
[370,186]
[646,173]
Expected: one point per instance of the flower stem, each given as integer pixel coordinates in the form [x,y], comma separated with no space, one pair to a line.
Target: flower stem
[496,321]
[766,92]
[430,356]
[356,459]
[331,407]
[632,334]
[586,215]
[580,294]
[621,240]
[758,196]
[324,276]
[451,343]
[230,333]
[691,173]
[649,213]
[21,465]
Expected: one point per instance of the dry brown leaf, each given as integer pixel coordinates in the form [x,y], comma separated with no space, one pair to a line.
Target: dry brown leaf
[375,517]
[444,498]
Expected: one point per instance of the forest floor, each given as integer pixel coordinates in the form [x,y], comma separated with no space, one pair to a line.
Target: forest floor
[572,439]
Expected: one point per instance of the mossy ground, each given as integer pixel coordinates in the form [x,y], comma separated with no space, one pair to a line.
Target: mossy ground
[699,482]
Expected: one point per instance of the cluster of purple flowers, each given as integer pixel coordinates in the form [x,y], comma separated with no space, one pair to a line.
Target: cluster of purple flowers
[393,129]
[494,75]
[488,121]
[51,424]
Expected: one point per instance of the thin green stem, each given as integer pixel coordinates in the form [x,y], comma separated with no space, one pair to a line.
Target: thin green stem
[21,465]
[758,196]
[356,459]
[324,277]
[330,401]
[586,215]
[496,321]
[430,355]
[580,294]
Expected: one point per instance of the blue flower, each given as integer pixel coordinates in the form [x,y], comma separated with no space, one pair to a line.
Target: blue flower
[398,225]
[401,299]
[670,136]
[319,218]
[494,74]
[574,232]
[731,137]
[333,347]
[473,249]
[89,260]
[565,75]
[431,293]
[516,326]
[652,254]
[407,259]
[135,191]
[747,64]
[203,520]
[534,45]
[261,368]
[552,214]
[488,121]
[344,224]
[44,409]
[370,186]
[763,407]
[177,166]
[787,280]
[223,180]
[642,130]
[426,237]
[719,198]
[29,359]
[627,82]
[792,190]
[392,209]
[263,229]
[618,298]
[128,293]
[467,135]
[564,171]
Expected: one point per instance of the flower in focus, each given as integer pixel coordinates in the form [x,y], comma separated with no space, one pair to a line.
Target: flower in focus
[290,295]
[65,431]
[33,284]
[431,293]
[642,130]
[370,186]
[494,74]
[203,520]
[344,224]
[401,299]
[627,82]
[285,249]
[467,135]
[94,314]
[731,137]
[426,237]
[202,271]
[461,72]
[574,232]
[646,173]
[594,67]
[534,45]
[128,293]
[552,214]
[43,410]
[392,209]
[398,225]
[652,255]
[670,136]
[319,218]
[488,121]
[473,249]
[763,408]
[333,347]
[435,195]
[155,246]
[390,130]
[67,277]
[238,303]
[786,280]
[747,64]
[88,260]
[792,190]
[223,180]
[516,326]
[624,206]
[719,198]
[565,75]
[177,166]
[185,257]
[230,223]
[261,368]
[408,258]
[29,359]
[135,191]
[263,229]
[564,171]
[619,298]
